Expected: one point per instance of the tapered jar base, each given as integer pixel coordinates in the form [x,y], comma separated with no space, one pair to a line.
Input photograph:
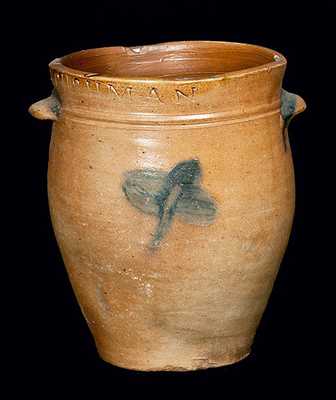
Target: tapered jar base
[196,363]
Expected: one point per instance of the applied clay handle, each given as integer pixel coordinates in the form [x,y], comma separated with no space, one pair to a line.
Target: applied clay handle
[48,108]
[291,105]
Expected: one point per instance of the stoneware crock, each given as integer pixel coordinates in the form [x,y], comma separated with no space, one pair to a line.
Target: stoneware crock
[171,193]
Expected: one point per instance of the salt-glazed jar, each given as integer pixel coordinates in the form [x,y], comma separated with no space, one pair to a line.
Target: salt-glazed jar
[171,193]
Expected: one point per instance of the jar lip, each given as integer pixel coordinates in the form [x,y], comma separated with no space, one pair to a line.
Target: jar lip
[71,64]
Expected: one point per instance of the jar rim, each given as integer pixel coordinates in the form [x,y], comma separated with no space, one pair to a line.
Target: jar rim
[166,62]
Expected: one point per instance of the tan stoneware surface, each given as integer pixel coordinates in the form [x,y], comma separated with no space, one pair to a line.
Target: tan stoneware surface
[171,193]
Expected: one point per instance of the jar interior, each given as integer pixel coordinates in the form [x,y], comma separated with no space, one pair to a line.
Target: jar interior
[179,60]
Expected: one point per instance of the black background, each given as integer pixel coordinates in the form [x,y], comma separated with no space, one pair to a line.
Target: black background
[52,348]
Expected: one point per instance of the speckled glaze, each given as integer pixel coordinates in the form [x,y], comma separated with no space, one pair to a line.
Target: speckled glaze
[171,193]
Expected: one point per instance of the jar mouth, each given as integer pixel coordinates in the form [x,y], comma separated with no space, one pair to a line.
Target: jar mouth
[171,61]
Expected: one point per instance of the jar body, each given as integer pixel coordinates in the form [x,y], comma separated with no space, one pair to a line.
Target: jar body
[171,193]
[196,300]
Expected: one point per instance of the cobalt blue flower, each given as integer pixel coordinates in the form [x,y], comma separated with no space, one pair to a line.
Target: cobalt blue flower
[165,195]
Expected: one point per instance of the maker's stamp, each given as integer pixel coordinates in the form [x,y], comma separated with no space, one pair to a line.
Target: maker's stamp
[176,95]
